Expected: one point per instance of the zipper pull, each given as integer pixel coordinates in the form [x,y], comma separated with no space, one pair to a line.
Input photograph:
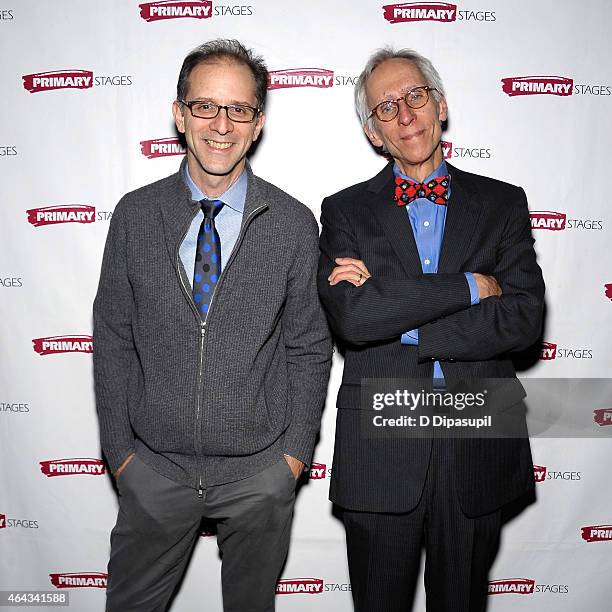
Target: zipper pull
[200,489]
[203,329]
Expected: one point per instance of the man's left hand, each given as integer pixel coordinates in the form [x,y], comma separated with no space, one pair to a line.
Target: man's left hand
[297,467]
[351,270]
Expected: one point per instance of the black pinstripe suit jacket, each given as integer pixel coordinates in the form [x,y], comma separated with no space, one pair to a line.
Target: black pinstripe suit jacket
[488,231]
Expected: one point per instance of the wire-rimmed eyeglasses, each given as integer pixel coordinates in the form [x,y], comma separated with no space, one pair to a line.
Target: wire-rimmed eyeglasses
[417,97]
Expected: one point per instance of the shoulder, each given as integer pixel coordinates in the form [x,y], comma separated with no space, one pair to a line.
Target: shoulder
[488,188]
[148,197]
[283,204]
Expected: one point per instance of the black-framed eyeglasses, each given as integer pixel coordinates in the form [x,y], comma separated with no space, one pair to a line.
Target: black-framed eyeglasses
[204,109]
[417,97]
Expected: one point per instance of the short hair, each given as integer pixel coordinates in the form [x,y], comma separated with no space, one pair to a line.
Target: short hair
[424,65]
[230,50]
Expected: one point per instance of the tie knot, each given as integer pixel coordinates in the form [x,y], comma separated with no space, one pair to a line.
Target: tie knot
[211,208]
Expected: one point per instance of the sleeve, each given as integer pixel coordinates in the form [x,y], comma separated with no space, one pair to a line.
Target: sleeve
[114,352]
[308,348]
[496,325]
[383,308]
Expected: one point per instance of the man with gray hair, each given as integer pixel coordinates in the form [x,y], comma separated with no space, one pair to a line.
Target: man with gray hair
[429,273]
[212,352]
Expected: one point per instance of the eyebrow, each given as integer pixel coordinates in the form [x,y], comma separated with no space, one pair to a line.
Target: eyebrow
[232,103]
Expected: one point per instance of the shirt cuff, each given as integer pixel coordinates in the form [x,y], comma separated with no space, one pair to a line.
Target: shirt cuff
[474,299]
[411,337]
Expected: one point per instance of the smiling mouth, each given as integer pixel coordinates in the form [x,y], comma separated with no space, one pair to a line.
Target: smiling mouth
[415,135]
[218,145]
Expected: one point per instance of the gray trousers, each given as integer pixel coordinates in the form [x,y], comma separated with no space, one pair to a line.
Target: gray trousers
[158,524]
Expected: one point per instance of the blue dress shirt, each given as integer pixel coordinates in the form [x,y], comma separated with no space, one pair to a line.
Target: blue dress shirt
[227,222]
[427,220]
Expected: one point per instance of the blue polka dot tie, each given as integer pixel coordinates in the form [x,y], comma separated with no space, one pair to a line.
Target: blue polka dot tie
[208,257]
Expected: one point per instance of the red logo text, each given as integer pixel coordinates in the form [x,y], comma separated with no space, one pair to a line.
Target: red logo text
[420,11]
[300,77]
[69,467]
[52,215]
[173,9]
[79,580]
[58,79]
[291,586]
[161,147]
[519,586]
[548,220]
[54,345]
[597,533]
[534,85]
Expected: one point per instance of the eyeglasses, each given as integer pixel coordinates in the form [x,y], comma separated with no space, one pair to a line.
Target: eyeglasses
[203,109]
[417,97]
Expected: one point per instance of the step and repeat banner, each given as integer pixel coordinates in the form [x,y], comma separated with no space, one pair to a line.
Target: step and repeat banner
[87,89]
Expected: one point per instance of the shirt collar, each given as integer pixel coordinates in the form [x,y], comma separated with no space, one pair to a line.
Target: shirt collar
[441,170]
[234,197]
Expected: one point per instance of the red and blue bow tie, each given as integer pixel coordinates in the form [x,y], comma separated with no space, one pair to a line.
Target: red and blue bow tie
[435,190]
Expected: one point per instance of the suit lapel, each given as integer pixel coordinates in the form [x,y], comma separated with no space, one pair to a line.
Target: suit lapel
[394,220]
[461,220]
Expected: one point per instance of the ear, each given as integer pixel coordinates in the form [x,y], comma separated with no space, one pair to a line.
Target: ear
[179,117]
[261,120]
[372,136]
[442,109]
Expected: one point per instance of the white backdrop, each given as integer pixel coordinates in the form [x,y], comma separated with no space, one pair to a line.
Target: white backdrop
[81,149]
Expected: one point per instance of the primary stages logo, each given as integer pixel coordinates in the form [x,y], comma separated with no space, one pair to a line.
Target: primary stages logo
[535,85]
[603,416]
[58,79]
[608,290]
[71,213]
[556,221]
[541,473]
[6,522]
[70,467]
[292,586]
[547,219]
[77,580]
[550,351]
[172,9]
[319,471]
[300,77]
[71,79]
[161,147]
[420,11]
[519,586]
[443,12]
[52,345]
[597,533]
[448,151]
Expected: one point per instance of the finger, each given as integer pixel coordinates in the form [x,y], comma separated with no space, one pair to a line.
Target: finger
[356,262]
[345,268]
[352,277]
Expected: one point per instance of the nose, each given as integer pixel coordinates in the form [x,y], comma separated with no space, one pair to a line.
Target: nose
[405,115]
[222,123]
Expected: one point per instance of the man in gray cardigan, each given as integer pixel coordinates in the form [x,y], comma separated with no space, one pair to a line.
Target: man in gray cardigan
[212,353]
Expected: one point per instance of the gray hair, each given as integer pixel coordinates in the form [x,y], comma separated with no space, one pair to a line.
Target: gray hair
[229,50]
[425,66]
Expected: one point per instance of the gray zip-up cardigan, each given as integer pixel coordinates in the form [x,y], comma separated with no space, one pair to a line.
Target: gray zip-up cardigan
[209,402]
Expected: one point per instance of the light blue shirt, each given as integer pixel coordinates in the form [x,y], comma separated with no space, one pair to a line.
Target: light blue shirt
[427,220]
[227,221]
